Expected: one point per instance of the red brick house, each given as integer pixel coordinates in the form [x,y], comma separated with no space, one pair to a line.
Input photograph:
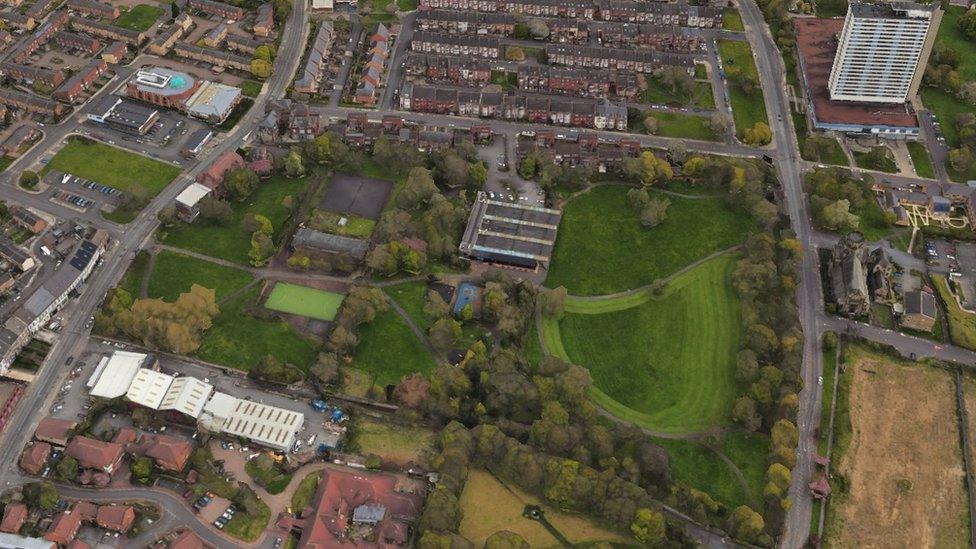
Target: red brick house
[213,176]
[14,516]
[95,454]
[34,458]
[115,518]
[64,528]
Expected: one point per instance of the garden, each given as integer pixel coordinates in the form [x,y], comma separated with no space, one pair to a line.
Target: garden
[745,93]
[139,18]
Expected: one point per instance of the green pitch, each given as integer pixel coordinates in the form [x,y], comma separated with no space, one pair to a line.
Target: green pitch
[304,301]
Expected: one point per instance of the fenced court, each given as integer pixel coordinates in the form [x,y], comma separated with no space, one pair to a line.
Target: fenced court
[304,301]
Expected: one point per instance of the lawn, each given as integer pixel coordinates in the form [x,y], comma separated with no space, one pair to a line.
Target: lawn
[112,166]
[175,273]
[139,18]
[407,5]
[5,162]
[331,222]
[389,350]
[267,474]
[702,469]
[304,492]
[412,296]
[488,506]
[921,159]
[831,8]
[132,279]
[834,155]
[664,363]
[248,527]
[304,301]
[396,443]
[732,21]
[251,88]
[868,162]
[685,126]
[748,108]
[239,340]
[603,248]
[962,325]
[659,94]
[897,469]
[508,80]
[229,240]
[748,451]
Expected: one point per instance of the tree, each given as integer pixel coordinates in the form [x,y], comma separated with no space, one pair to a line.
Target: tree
[325,371]
[679,81]
[342,340]
[758,134]
[651,124]
[538,29]
[514,53]
[720,122]
[261,249]
[260,68]
[654,212]
[554,302]
[168,217]
[67,468]
[506,540]
[257,223]
[444,333]
[477,175]
[41,495]
[961,159]
[294,165]
[745,524]
[282,8]
[29,179]
[647,168]
[417,189]
[453,170]
[837,215]
[240,183]
[321,149]
[435,306]
[967,24]
[141,468]
[522,31]
[263,52]
[411,391]
[528,166]
[744,412]
[648,526]
[218,211]
[442,511]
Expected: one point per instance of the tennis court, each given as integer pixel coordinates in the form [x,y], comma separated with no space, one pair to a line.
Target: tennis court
[304,301]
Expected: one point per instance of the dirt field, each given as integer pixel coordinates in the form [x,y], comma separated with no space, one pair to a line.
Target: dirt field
[903,464]
[356,195]
[969,390]
[489,507]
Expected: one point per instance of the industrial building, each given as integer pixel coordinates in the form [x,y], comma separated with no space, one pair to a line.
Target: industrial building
[883,50]
[213,102]
[124,115]
[510,233]
[266,425]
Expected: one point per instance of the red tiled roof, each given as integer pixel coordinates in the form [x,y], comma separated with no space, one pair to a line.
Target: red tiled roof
[87,509]
[170,452]
[64,527]
[186,540]
[34,458]
[13,518]
[116,518]
[213,176]
[94,454]
[125,436]
[816,40]
[78,544]
[54,430]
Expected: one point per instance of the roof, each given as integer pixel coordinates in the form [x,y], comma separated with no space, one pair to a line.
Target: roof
[118,373]
[331,243]
[117,518]
[369,513]
[148,388]
[54,430]
[24,542]
[64,527]
[92,453]
[162,81]
[213,100]
[186,395]
[510,229]
[186,540]
[267,425]
[169,452]
[33,460]
[193,194]
[920,303]
[13,517]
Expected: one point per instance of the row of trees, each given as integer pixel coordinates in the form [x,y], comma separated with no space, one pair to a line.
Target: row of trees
[175,327]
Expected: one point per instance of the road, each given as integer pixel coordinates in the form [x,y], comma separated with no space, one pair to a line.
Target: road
[39,394]
[772,75]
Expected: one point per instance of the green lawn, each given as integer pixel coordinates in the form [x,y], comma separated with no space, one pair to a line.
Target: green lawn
[354,226]
[302,497]
[748,108]
[174,273]
[664,363]
[603,248]
[139,18]
[962,325]
[304,301]
[921,159]
[732,21]
[5,162]
[230,241]
[834,156]
[389,350]
[508,80]
[748,452]
[945,107]
[658,94]
[832,8]
[407,5]
[887,164]
[112,166]
[239,340]
[684,126]
[702,469]
[412,296]
[132,279]
[251,88]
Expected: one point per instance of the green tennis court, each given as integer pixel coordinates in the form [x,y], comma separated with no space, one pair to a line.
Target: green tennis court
[304,301]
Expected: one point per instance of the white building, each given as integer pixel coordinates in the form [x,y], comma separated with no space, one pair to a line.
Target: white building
[186,395]
[188,201]
[266,425]
[149,388]
[114,374]
[882,51]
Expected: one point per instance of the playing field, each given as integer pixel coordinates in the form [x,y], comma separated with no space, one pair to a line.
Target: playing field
[304,301]
[139,18]
[112,166]
[664,362]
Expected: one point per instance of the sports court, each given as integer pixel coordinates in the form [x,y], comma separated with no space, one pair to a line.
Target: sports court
[304,301]
[350,194]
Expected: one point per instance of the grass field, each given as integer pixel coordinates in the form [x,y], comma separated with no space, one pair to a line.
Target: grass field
[396,443]
[174,274]
[831,8]
[304,301]
[664,363]
[898,471]
[732,21]
[747,107]
[389,350]
[603,248]
[305,490]
[659,94]
[921,159]
[251,88]
[111,166]
[229,241]
[412,296]
[488,506]
[239,340]
[962,325]
[132,279]
[834,156]
[139,18]
[685,126]
[886,164]
[355,226]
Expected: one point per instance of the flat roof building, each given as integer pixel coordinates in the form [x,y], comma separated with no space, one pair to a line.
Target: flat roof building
[188,201]
[186,395]
[883,50]
[266,425]
[510,233]
[213,102]
[148,388]
[124,114]
[163,87]
[113,379]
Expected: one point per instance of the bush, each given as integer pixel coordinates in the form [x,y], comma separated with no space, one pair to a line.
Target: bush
[29,179]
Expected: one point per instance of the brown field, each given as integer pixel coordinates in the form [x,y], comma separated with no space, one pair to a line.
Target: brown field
[969,392]
[903,463]
[396,443]
[489,507]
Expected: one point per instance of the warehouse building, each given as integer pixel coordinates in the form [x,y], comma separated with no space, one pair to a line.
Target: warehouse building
[510,233]
[266,425]
[124,115]
[213,102]
[114,374]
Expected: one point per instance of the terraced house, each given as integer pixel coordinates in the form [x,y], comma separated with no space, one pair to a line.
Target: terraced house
[466,22]
[459,71]
[616,59]
[453,44]
[577,82]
